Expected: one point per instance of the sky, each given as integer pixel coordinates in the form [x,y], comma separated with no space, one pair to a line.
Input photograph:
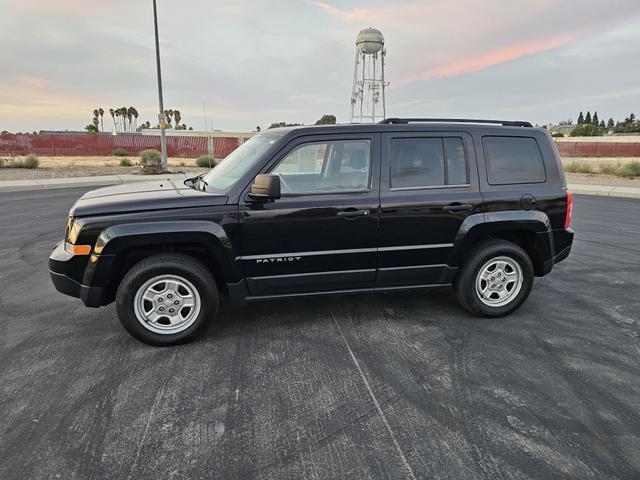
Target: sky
[262,61]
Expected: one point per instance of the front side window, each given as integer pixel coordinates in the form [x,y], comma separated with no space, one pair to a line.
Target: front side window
[513,160]
[239,162]
[326,167]
[428,162]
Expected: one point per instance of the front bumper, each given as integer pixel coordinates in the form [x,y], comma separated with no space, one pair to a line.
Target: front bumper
[66,270]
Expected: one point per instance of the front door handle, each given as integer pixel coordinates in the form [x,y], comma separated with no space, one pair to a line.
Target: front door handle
[351,214]
[457,207]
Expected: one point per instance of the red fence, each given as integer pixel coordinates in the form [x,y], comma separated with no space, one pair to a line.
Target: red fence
[82,144]
[86,145]
[598,149]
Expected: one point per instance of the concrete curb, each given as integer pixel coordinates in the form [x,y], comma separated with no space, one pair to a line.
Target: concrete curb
[97,181]
[604,190]
[102,181]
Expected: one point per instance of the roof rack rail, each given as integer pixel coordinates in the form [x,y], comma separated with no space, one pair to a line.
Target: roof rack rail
[506,123]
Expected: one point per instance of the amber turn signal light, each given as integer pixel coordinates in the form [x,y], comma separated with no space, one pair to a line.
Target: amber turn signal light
[78,249]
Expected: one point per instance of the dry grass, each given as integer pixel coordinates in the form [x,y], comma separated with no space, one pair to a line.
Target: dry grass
[63,162]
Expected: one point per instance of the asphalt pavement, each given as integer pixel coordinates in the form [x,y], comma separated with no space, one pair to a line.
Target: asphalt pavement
[402,385]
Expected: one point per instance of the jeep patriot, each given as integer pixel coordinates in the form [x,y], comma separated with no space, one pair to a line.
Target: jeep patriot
[481,205]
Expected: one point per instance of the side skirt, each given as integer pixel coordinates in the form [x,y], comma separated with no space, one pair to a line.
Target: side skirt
[259,298]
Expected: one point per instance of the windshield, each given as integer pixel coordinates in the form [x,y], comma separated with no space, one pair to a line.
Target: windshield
[240,161]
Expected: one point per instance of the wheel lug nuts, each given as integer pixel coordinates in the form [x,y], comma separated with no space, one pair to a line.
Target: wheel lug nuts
[171,310]
[161,309]
[160,299]
[169,296]
[176,302]
[493,286]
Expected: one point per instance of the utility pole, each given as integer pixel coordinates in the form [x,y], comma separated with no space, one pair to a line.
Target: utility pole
[161,116]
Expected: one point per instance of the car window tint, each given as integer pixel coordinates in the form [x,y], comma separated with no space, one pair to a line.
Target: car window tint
[428,162]
[456,161]
[512,160]
[326,167]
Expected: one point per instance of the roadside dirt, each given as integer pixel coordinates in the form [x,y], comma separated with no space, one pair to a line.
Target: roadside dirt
[61,167]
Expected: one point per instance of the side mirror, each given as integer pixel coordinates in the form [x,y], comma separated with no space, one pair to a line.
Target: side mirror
[265,187]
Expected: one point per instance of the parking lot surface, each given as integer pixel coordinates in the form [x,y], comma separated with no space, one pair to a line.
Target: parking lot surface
[402,385]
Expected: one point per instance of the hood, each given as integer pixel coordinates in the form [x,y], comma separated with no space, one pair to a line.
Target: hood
[143,196]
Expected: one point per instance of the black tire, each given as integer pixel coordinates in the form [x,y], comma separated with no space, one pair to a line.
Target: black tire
[465,282]
[182,266]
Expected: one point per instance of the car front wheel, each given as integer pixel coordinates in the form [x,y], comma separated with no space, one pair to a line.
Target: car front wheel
[495,280]
[167,299]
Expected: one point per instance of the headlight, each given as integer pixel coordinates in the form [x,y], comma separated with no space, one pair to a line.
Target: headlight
[71,236]
[73,230]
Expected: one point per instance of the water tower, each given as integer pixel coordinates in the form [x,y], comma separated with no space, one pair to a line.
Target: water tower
[367,93]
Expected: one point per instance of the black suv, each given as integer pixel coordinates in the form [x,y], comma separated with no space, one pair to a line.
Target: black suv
[409,203]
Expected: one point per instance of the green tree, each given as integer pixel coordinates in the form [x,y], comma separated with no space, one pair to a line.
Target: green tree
[611,123]
[580,119]
[327,120]
[587,118]
[595,120]
[601,125]
[101,112]
[91,128]
[177,117]
[585,130]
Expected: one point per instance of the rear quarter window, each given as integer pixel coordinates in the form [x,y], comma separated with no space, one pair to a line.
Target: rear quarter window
[512,160]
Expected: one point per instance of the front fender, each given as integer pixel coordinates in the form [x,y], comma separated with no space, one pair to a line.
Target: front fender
[114,241]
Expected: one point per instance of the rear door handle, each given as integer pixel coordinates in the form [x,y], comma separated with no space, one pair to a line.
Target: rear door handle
[458,207]
[350,214]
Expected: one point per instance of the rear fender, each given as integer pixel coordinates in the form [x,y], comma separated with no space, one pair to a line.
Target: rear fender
[499,224]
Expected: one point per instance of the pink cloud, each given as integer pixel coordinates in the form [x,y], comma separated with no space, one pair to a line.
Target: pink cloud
[444,38]
[479,62]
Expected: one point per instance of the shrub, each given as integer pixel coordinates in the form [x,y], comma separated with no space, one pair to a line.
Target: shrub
[631,169]
[125,162]
[31,161]
[119,152]
[150,158]
[609,169]
[205,161]
[586,130]
[557,135]
[578,167]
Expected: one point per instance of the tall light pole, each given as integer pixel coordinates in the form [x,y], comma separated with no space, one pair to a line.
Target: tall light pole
[161,117]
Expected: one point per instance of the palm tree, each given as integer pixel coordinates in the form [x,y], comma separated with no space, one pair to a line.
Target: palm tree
[130,117]
[101,112]
[113,115]
[168,114]
[123,114]
[177,117]
[135,116]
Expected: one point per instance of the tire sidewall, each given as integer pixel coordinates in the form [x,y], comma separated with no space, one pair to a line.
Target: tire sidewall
[469,280]
[137,276]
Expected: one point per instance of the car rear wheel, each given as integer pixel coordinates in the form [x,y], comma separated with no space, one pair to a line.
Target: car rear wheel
[167,299]
[496,279]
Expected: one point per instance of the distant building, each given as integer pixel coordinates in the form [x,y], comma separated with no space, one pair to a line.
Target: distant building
[563,129]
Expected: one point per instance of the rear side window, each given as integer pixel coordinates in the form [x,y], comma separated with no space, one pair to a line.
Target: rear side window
[513,160]
[428,162]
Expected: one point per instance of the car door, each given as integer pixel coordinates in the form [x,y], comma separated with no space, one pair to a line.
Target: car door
[321,234]
[429,187]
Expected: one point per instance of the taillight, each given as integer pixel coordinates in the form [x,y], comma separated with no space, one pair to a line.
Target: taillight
[569,213]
